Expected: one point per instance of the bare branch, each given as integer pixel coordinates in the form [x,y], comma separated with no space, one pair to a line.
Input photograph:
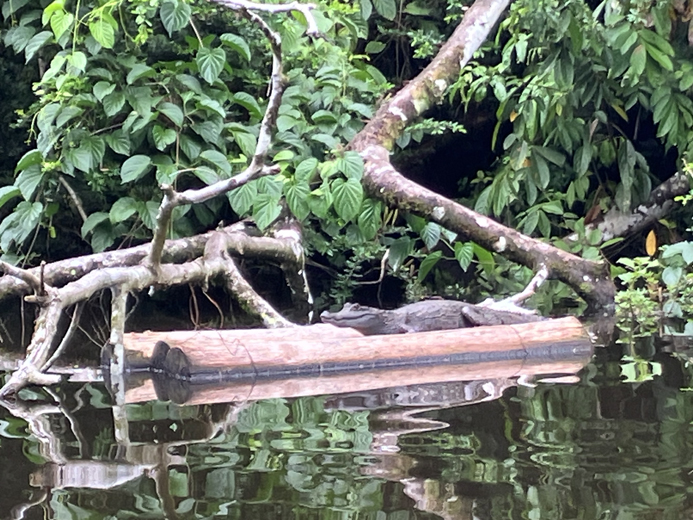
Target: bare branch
[73,195]
[304,9]
[24,275]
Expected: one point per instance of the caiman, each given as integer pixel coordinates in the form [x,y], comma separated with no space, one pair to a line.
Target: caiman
[422,316]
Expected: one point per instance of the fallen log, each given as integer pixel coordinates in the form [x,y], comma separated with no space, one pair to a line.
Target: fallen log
[238,365]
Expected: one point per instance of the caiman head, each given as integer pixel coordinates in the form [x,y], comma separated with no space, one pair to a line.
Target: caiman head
[364,319]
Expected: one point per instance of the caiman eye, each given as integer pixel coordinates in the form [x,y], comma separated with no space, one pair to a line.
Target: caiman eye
[355,306]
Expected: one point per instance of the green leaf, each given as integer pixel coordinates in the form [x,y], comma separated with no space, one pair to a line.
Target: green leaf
[113,103]
[37,41]
[218,159]
[134,168]
[139,71]
[427,264]
[374,47]
[347,197]
[163,137]
[102,89]
[28,180]
[7,193]
[672,275]
[242,198]
[464,252]
[190,147]
[122,210]
[210,63]
[66,114]
[206,175]
[103,32]
[249,103]
[266,209]
[430,234]
[551,155]
[148,213]
[119,142]
[174,15]
[399,250]
[92,221]
[297,194]
[638,59]
[582,159]
[304,171]
[542,170]
[102,237]
[29,159]
[80,158]
[485,258]
[386,8]
[351,165]
[237,43]
[209,130]
[20,224]
[370,218]
[61,22]
[173,112]
[320,201]
[78,60]
[246,141]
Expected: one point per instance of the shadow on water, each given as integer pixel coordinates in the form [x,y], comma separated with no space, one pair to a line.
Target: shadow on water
[613,442]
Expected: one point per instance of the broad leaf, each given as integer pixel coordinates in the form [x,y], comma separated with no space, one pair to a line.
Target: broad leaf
[347,197]
[266,209]
[386,8]
[36,42]
[173,112]
[304,171]
[163,137]
[103,32]
[464,252]
[297,194]
[92,221]
[119,142]
[122,210]
[28,180]
[370,218]
[430,234]
[7,193]
[210,63]
[102,89]
[351,165]
[249,103]
[174,15]
[218,159]
[29,159]
[61,21]
[113,103]
[237,43]
[242,198]
[134,168]
[427,264]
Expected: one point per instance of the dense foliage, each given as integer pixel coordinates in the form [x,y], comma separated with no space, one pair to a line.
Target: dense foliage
[591,105]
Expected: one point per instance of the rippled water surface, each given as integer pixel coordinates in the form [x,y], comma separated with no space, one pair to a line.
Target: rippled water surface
[617,444]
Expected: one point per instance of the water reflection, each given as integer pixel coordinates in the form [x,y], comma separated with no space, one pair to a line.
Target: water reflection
[610,446]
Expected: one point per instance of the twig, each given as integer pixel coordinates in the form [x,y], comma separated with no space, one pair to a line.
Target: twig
[73,195]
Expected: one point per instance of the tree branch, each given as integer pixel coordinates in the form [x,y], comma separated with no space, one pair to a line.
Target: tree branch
[589,279]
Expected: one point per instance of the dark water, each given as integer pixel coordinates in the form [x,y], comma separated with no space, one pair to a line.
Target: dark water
[618,444]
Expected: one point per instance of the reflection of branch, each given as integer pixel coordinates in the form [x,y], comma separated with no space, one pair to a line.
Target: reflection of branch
[68,335]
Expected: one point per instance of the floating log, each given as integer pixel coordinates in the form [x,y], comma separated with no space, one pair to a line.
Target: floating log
[237,365]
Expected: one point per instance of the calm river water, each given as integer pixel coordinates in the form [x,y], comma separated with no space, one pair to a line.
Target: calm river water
[616,443]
